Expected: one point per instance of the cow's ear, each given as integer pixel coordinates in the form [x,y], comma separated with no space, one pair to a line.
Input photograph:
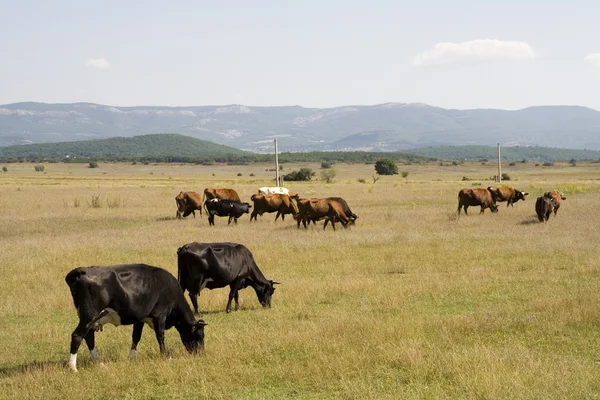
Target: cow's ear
[525,194]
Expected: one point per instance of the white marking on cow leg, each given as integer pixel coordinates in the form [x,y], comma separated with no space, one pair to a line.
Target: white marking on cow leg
[73,362]
[94,354]
[133,354]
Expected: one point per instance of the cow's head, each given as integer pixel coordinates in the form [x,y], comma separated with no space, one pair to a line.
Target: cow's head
[494,207]
[520,195]
[246,207]
[265,293]
[193,339]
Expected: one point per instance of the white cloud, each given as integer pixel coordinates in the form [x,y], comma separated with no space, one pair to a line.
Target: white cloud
[99,63]
[593,59]
[445,53]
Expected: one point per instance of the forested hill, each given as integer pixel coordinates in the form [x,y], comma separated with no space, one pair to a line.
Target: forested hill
[157,147]
[516,153]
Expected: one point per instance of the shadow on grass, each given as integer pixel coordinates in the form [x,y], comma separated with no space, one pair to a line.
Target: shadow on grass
[529,221]
[166,219]
[33,366]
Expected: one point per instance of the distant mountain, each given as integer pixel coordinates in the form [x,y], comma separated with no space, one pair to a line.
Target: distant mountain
[385,127]
[155,146]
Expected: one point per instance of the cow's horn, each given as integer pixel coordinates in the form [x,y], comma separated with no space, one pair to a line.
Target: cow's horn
[275,283]
[201,322]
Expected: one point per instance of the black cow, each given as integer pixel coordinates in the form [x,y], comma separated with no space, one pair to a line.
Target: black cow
[225,208]
[543,208]
[216,265]
[130,294]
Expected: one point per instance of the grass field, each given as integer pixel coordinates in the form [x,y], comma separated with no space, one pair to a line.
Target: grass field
[413,302]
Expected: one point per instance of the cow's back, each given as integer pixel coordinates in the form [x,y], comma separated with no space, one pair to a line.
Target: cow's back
[223,194]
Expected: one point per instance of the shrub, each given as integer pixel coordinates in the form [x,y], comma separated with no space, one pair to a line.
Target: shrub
[404,174]
[93,164]
[512,164]
[386,166]
[548,164]
[4,169]
[325,165]
[328,175]
[114,203]
[39,168]
[96,203]
[505,177]
[454,162]
[251,173]
[573,162]
[239,174]
[464,178]
[303,175]
[361,180]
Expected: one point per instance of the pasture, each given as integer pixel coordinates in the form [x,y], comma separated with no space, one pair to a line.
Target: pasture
[413,302]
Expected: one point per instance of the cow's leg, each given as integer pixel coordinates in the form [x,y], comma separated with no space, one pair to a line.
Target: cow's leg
[194,299]
[229,220]
[252,215]
[138,327]
[159,330]
[90,340]
[237,300]
[277,216]
[211,219]
[235,220]
[233,294]
[76,337]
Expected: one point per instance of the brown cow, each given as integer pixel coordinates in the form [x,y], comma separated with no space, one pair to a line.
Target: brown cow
[223,194]
[268,203]
[556,196]
[188,203]
[476,197]
[306,218]
[316,209]
[543,207]
[508,194]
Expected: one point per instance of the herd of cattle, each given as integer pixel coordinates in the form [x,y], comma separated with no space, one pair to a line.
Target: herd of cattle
[227,203]
[487,198]
[138,294]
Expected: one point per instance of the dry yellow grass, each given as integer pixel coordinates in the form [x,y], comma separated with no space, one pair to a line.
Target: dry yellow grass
[411,303]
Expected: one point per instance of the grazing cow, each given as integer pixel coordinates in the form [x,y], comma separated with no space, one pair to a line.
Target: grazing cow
[268,203]
[508,194]
[225,208]
[543,208]
[216,265]
[130,294]
[557,197]
[476,197]
[306,217]
[188,203]
[271,190]
[317,209]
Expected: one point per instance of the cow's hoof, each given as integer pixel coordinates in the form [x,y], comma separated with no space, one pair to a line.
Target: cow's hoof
[228,310]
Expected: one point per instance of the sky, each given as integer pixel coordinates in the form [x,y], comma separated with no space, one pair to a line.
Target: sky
[454,54]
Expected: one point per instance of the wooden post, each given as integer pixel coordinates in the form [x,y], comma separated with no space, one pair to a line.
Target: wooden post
[276,164]
[499,178]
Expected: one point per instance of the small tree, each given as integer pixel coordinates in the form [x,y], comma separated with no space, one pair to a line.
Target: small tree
[93,164]
[39,168]
[386,166]
[5,169]
[325,165]
[328,174]
[573,162]
[404,174]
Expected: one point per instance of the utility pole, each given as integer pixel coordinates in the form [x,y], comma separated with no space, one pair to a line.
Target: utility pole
[499,177]
[276,164]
